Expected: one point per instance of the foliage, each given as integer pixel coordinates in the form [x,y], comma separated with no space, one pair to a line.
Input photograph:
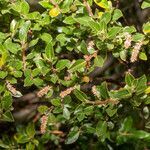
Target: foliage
[89,72]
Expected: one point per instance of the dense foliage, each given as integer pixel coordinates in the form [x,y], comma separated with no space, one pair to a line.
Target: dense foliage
[73,74]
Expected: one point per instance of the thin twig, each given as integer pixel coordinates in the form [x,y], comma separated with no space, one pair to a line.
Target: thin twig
[100,70]
[102,102]
[88,8]
[57,132]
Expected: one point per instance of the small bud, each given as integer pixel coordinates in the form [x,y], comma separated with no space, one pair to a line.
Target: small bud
[86,79]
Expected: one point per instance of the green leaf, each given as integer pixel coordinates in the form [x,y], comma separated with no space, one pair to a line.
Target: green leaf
[6,101]
[46,37]
[88,110]
[30,146]
[98,61]
[38,82]
[13,26]
[103,90]
[126,125]
[65,7]
[146,27]
[7,116]
[80,95]
[62,39]
[140,134]
[12,47]
[113,31]
[73,135]
[101,130]
[3,145]
[36,72]
[66,113]
[69,20]
[89,22]
[106,17]
[28,81]
[145,4]
[3,74]
[111,111]
[117,14]
[3,55]
[102,3]
[129,29]
[120,94]
[83,47]
[61,64]
[56,102]
[46,4]
[33,16]
[30,130]
[42,109]
[22,138]
[143,56]
[22,7]
[102,26]
[138,37]
[24,30]
[33,42]
[78,65]
[17,74]
[129,79]
[141,85]
[49,51]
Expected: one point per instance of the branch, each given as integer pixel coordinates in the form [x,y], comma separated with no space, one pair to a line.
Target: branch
[102,102]
[57,132]
[99,70]
[88,8]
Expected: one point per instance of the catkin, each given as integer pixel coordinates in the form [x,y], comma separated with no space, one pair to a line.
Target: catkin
[128,40]
[43,126]
[90,45]
[135,52]
[95,92]
[66,92]
[43,91]
[13,90]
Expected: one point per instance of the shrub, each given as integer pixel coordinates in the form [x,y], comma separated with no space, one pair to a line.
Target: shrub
[72,72]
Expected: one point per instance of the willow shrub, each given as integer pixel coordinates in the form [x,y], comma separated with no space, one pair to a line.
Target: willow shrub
[87,71]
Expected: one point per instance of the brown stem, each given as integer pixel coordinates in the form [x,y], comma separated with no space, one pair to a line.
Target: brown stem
[100,70]
[57,132]
[102,102]
[88,8]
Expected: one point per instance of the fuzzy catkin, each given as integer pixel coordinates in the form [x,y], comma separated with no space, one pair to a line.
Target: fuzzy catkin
[95,92]
[43,91]
[128,40]
[43,126]
[66,92]
[135,52]
[13,90]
